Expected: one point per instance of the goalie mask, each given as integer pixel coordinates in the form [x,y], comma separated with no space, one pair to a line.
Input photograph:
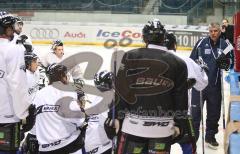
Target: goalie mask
[104,80]
[57,72]
[154,32]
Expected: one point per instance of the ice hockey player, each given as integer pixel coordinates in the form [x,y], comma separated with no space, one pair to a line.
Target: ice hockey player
[30,144]
[211,51]
[21,39]
[57,56]
[152,84]
[14,100]
[55,132]
[198,79]
[31,63]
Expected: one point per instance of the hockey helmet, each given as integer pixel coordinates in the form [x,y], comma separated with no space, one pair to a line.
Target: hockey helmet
[153,32]
[170,40]
[56,72]
[29,57]
[18,25]
[104,80]
[19,20]
[56,43]
[6,20]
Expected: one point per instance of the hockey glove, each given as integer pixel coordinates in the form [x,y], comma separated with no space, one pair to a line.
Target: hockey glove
[191,82]
[79,83]
[30,120]
[202,64]
[180,128]
[23,39]
[223,62]
[110,128]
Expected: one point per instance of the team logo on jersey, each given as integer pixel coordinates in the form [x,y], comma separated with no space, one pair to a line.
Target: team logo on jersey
[207,51]
[50,108]
[143,77]
[51,144]
[206,45]
[156,123]
[47,108]
[2,74]
[95,150]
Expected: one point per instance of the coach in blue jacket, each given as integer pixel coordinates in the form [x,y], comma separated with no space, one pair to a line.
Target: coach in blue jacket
[210,49]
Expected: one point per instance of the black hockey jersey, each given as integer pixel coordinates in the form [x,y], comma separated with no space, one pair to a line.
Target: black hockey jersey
[151,83]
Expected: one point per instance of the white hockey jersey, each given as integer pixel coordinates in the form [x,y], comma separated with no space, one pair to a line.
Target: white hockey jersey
[14,100]
[32,79]
[76,72]
[194,72]
[96,140]
[52,130]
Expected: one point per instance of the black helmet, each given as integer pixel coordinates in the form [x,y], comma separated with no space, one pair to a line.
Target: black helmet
[170,40]
[56,72]
[104,80]
[56,43]
[29,57]
[19,20]
[153,32]
[6,20]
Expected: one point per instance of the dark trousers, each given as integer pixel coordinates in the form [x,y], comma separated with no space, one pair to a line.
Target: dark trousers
[213,98]
[139,145]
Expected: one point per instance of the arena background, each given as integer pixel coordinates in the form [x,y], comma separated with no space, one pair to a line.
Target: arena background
[86,25]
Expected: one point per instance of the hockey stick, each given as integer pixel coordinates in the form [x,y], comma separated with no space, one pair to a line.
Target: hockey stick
[228,49]
[223,105]
[201,103]
[114,98]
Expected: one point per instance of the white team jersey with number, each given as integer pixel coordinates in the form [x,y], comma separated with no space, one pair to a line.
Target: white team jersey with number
[14,100]
[55,130]
[75,72]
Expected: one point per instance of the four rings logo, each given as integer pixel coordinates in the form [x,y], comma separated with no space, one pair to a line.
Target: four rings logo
[44,33]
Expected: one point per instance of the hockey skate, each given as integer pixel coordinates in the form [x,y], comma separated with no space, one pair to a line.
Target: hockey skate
[212,143]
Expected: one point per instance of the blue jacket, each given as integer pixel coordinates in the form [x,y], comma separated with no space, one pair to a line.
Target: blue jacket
[209,53]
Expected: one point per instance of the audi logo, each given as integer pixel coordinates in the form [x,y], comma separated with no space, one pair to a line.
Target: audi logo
[44,33]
